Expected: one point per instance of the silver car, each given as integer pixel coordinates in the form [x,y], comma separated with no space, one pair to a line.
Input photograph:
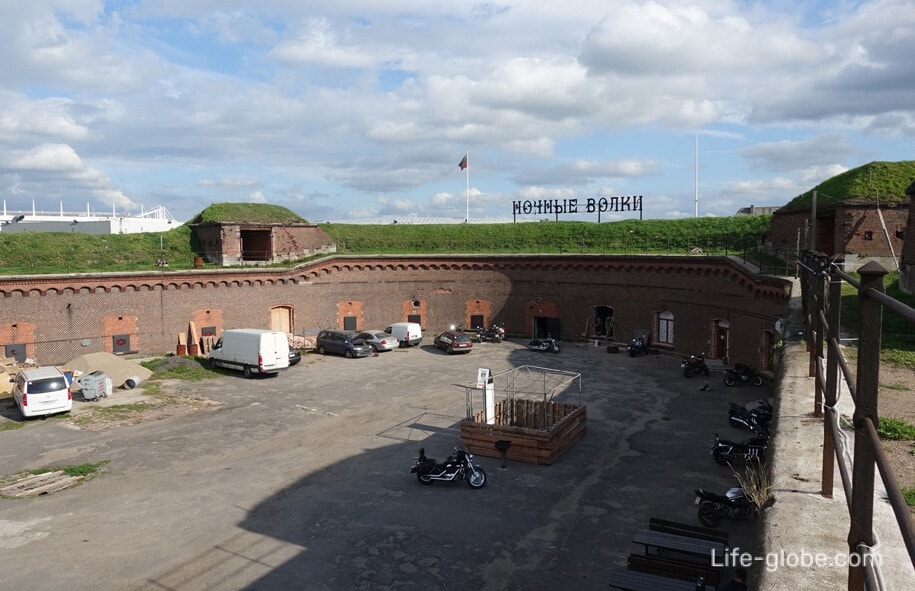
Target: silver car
[379,340]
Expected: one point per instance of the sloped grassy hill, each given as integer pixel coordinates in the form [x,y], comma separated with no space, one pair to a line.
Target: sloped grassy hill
[251,213]
[883,181]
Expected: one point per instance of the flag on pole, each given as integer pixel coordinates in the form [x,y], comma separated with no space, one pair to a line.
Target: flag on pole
[463,163]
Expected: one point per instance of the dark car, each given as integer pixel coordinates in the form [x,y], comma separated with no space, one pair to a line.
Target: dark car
[294,357]
[342,342]
[452,341]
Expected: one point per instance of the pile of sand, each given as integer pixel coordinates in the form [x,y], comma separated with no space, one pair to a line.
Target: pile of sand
[116,368]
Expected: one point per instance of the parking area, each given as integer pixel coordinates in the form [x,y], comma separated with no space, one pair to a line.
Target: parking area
[303,480]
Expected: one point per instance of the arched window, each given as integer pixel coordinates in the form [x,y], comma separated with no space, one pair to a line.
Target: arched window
[666,328]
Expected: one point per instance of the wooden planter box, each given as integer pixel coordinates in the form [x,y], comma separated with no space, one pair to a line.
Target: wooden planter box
[539,432]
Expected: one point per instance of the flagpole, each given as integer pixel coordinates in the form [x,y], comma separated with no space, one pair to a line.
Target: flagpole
[696,199]
[467,190]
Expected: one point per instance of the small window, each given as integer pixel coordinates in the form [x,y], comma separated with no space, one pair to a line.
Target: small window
[900,234]
[868,235]
[666,328]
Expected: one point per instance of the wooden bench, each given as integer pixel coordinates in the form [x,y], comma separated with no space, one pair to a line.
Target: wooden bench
[630,580]
[690,545]
[673,569]
[685,529]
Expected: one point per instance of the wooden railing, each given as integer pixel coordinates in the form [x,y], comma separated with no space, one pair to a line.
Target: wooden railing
[821,282]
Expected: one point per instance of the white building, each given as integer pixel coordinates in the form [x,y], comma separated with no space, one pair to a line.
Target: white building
[155,220]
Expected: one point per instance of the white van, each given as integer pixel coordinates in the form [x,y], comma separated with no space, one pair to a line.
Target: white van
[251,351]
[408,333]
[42,391]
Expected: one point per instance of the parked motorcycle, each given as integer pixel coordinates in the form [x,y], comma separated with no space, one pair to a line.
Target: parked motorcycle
[548,344]
[638,346]
[494,334]
[694,366]
[752,449]
[742,374]
[458,466]
[734,505]
[756,418]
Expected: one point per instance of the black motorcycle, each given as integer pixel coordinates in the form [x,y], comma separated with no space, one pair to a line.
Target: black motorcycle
[756,418]
[752,449]
[547,344]
[694,366]
[638,346]
[734,505]
[742,374]
[458,466]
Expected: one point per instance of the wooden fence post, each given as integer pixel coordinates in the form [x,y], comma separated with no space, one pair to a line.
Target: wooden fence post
[867,386]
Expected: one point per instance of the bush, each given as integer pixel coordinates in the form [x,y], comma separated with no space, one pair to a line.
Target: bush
[895,429]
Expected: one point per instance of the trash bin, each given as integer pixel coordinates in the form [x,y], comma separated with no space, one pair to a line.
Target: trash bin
[95,385]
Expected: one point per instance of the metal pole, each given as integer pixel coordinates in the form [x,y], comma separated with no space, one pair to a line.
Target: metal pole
[813,222]
[832,385]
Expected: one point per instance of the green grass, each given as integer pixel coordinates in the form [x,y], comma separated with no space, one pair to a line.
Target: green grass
[75,470]
[730,235]
[895,429]
[252,213]
[61,252]
[897,387]
[886,181]
[898,335]
[908,494]
[11,425]
[193,369]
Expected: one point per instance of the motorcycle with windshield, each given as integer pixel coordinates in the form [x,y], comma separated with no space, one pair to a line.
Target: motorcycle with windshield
[494,334]
[638,346]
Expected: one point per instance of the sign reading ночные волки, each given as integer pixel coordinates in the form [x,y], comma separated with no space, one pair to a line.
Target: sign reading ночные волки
[596,205]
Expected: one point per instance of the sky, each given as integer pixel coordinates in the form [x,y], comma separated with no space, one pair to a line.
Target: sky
[362,110]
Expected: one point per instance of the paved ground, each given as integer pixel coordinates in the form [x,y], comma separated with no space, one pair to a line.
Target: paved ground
[302,481]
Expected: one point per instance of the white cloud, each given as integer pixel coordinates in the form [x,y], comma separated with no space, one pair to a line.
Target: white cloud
[326,107]
[49,157]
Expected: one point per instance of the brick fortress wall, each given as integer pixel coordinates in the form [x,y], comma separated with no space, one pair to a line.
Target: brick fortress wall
[57,318]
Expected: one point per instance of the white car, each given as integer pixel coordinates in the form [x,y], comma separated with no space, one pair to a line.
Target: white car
[379,340]
[42,391]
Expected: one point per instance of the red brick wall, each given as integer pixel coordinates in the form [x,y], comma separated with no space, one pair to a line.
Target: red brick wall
[69,313]
[786,229]
[222,243]
[854,224]
[843,230]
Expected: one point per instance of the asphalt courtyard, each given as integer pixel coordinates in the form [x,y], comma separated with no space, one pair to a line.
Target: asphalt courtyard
[302,481]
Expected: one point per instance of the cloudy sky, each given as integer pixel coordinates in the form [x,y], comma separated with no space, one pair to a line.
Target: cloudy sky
[363,109]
